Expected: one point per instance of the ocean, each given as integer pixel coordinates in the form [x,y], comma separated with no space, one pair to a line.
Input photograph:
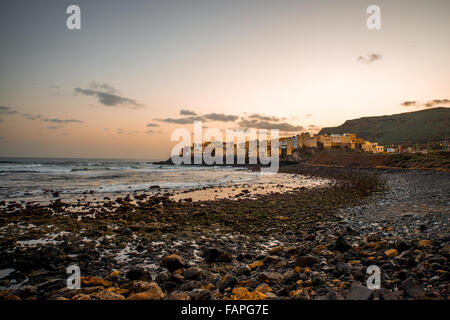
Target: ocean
[39,178]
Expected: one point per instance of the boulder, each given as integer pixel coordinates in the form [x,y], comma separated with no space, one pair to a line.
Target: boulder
[138,274]
[342,244]
[271,277]
[307,261]
[173,262]
[153,292]
[193,273]
[211,254]
[179,295]
[228,281]
[358,292]
[413,289]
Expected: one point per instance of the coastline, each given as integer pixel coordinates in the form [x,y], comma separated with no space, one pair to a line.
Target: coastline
[303,244]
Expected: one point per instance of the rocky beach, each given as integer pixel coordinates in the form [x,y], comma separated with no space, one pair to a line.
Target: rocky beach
[303,243]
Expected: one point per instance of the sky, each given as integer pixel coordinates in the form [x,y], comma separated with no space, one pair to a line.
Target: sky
[138,70]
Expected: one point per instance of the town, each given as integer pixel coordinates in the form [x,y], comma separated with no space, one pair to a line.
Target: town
[293,147]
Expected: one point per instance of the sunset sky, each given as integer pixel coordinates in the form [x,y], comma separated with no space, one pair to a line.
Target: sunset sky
[138,69]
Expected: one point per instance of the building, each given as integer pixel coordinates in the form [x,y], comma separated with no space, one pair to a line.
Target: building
[292,146]
[372,147]
[304,140]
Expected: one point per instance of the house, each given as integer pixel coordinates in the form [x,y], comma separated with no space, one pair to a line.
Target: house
[372,147]
[304,140]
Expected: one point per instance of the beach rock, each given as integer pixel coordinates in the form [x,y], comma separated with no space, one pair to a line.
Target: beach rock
[152,292]
[126,232]
[291,251]
[53,284]
[242,293]
[95,281]
[228,281]
[179,295]
[190,285]
[139,286]
[242,269]
[307,261]
[107,295]
[271,259]
[343,268]
[424,243]
[271,277]
[201,294]
[225,257]
[255,265]
[329,296]
[391,253]
[211,254]
[358,273]
[358,292]
[263,288]
[342,244]
[275,250]
[413,289]
[290,276]
[388,295]
[138,274]
[163,276]
[403,245]
[173,262]
[81,296]
[193,273]
[26,291]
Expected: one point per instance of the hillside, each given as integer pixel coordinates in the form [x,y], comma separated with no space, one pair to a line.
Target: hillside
[419,126]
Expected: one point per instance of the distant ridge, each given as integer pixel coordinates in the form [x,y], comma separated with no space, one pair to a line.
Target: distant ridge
[410,127]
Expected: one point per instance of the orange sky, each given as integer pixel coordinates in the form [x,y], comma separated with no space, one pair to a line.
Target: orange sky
[138,63]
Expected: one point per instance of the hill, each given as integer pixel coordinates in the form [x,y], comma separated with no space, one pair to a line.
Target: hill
[411,127]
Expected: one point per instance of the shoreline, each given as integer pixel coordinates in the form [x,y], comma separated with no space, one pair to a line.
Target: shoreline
[287,245]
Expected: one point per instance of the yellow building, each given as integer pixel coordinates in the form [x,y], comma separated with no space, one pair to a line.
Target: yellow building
[304,140]
[372,147]
[326,140]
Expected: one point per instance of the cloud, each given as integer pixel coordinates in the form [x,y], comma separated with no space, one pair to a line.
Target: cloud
[206,117]
[154,132]
[314,128]
[103,87]
[123,131]
[108,96]
[408,103]
[186,120]
[220,117]
[62,121]
[369,58]
[6,110]
[428,104]
[31,116]
[151,125]
[58,122]
[185,112]
[435,102]
[262,117]
[257,124]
